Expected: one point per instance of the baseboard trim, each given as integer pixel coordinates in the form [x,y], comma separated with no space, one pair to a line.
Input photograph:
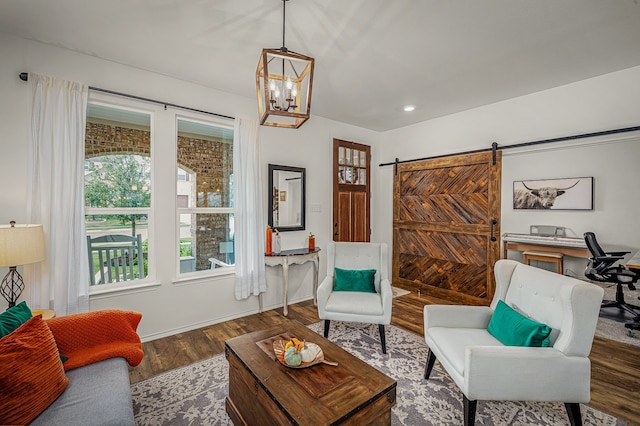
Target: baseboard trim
[217,320]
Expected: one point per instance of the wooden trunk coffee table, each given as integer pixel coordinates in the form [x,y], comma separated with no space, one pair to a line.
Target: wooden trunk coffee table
[264,392]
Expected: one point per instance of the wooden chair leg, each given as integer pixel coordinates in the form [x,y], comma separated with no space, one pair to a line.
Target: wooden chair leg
[382,338]
[431,360]
[469,411]
[326,328]
[573,410]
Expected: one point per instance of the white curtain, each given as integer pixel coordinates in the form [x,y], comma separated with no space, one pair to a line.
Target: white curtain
[248,210]
[56,194]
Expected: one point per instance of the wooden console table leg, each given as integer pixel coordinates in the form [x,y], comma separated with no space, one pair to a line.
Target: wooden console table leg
[285,280]
[315,279]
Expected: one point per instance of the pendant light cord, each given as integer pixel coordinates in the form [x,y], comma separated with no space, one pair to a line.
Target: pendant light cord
[284,6]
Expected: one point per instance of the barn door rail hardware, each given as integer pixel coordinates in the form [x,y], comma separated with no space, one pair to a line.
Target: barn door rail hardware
[494,146]
[24,76]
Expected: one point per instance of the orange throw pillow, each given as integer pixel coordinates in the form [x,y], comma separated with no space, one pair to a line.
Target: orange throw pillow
[32,376]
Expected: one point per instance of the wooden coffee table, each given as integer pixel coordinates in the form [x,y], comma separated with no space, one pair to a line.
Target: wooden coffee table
[264,392]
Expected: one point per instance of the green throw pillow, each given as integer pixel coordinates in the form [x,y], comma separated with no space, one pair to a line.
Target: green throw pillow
[355,280]
[13,318]
[514,329]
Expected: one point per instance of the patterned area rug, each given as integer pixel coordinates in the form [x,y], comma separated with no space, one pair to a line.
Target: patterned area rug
[397,292]
[614,330]
[194,395]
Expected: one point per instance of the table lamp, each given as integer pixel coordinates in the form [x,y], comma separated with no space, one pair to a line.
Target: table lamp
[19,245]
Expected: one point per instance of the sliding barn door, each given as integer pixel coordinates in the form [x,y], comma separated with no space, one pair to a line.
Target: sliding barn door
[446,226]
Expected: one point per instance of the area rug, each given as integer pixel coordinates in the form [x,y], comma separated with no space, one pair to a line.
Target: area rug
[194,395]
[397,292]
[614,330]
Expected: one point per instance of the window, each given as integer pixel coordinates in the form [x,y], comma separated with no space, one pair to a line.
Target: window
[204,195]
[117,193]
[149,202]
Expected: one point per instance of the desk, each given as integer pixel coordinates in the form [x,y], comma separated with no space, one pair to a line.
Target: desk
[634,262]
[574,247]
[293,257]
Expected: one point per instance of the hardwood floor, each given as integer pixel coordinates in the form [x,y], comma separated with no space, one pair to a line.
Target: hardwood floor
[615,366]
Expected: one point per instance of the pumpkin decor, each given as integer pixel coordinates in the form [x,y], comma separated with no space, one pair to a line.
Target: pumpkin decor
[309,352]
[295,353]
[292,357]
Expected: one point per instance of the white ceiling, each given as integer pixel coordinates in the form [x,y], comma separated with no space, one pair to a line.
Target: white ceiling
[372,56]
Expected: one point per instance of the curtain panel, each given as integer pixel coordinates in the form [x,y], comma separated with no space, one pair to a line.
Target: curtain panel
[248,210]
[56,193]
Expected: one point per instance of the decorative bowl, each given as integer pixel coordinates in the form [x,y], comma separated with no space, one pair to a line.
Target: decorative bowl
[278,348]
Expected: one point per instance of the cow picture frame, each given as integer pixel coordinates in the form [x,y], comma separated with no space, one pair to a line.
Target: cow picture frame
[553,194]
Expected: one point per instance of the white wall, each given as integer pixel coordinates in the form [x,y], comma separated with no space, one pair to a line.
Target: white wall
[168,308]
[606,102]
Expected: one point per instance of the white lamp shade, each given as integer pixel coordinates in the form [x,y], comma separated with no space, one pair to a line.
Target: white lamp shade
[21,244]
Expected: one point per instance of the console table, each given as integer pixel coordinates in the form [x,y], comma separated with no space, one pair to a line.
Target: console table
[293,257]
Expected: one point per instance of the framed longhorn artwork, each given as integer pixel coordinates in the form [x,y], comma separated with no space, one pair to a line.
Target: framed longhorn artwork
[553,194]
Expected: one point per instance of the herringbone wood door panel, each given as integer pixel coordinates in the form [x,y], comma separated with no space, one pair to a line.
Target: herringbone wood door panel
[448,261]
[448,195]
[443,213]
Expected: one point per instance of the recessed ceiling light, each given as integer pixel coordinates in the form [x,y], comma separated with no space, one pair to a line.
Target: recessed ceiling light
[409,108]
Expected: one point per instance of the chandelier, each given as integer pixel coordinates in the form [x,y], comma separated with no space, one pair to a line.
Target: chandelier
[283,83]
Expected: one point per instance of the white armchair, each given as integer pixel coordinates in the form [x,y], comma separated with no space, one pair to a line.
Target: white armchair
[485,369]
[352,306]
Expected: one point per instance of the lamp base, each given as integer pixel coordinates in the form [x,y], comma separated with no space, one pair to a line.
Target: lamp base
[12,286]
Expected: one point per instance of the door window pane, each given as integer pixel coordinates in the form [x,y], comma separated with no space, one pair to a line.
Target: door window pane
[362,179]
[347,156]
[348,175]
[363,159]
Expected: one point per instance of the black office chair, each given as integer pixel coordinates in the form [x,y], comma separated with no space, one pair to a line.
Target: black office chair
[602,267]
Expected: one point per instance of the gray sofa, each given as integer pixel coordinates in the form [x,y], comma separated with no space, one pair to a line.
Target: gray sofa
[98,394]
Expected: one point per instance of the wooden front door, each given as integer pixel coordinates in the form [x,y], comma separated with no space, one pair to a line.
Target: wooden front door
[446,226]
[351,191]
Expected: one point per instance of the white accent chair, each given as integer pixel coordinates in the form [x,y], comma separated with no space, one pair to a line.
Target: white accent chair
[485,369]
[351,306]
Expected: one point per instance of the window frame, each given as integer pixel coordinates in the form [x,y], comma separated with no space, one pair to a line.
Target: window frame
[218,122]
[116,102]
